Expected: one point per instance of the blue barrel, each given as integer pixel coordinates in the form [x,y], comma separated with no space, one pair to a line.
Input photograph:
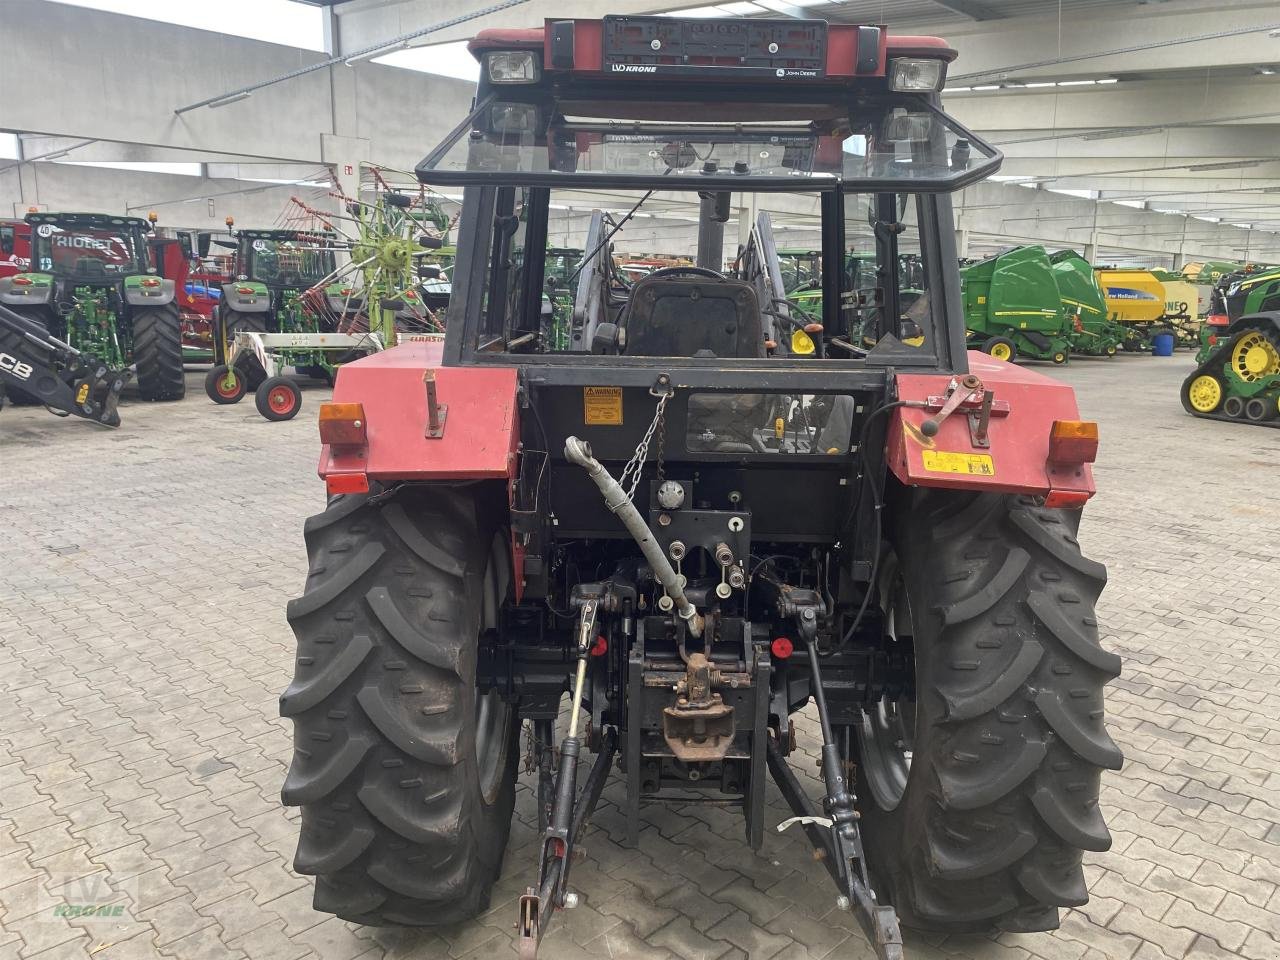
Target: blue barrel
[1162,345]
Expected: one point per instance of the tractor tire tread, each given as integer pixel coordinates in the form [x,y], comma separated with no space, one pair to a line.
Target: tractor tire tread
[157,353]
[1002,796]
[393,823]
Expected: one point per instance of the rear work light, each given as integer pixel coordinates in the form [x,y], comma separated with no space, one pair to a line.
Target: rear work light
[513,66]
[513,118]
[911,75]
[1073,441]
[343,424]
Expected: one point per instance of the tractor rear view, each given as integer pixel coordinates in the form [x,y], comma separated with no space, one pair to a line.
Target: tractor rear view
[690,530]
[87,307]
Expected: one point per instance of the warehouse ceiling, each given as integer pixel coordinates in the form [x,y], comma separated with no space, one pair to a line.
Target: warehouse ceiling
[1156,103]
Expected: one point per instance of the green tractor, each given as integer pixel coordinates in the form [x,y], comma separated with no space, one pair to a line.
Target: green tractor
[92,286]
[274,268]
[560,271]
[274,271]
[1093,333]
[802,277]
[1237,374]
[1012,307]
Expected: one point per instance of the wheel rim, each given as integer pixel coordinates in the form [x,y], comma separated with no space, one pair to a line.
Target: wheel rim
[228,385]
[1205,393]
[493,715]
[1001,351]
[886,733]
[280,399]
[1254,357]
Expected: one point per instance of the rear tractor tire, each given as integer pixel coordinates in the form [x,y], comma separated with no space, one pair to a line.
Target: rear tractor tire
[405,772]
[979,797]
[41,316]
[246,365]
[157,353]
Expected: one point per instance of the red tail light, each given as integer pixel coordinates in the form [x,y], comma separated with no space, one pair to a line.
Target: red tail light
[1062,499]
[347,483]
[150,282]
[22,281]
[1218,320]
[244,289]
[782,648]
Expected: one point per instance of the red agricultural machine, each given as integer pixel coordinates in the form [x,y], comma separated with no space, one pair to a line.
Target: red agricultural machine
[689,530]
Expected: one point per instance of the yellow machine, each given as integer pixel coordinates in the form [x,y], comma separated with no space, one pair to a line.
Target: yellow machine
[1137,300]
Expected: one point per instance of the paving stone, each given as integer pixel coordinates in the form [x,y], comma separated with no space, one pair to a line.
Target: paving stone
[162,774]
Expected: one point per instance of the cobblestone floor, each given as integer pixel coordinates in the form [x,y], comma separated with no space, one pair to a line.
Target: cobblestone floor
[143,580]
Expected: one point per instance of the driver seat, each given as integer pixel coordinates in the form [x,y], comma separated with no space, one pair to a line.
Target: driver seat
[688,316]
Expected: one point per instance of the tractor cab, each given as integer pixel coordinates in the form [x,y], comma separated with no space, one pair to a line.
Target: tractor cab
[283,260]
[89,249]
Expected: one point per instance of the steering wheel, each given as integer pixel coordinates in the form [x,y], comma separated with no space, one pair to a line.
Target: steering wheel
[687,271]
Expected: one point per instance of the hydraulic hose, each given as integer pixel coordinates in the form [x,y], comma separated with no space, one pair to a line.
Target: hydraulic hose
[616,499]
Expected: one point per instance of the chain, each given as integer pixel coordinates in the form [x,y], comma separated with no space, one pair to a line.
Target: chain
[634,466]
[662,445]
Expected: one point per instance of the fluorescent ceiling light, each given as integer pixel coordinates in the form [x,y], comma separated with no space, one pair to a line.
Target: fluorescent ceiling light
[1123,132]
[1265,71]
[231,98]
[1041,83]
[1109,80]
[1226,165]
[957,89]
[988,86]
[1076,83]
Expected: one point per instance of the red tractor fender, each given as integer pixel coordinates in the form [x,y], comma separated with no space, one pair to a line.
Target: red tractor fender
[477,406]
[1015,456]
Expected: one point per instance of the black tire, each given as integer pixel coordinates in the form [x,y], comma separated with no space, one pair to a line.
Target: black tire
[1059,357]
[246,364]
[1000,796]
[278,398]
[157,353]
[215,385]
[995,343]
[396,825]
[43,317]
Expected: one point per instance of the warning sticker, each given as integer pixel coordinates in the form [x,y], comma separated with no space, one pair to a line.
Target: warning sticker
[941,461]
[602,406]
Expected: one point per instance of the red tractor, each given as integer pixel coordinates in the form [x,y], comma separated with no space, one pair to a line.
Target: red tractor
[15,247]
[691,528]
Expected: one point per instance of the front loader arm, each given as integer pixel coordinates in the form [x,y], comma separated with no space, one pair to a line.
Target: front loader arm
[59,376]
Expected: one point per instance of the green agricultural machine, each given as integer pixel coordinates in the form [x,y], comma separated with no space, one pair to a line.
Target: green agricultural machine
[1234,296]
[93,287]
[1237,374]
[1093,333]
[275,270]
[560,271]
[1012,307]
[803,268]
